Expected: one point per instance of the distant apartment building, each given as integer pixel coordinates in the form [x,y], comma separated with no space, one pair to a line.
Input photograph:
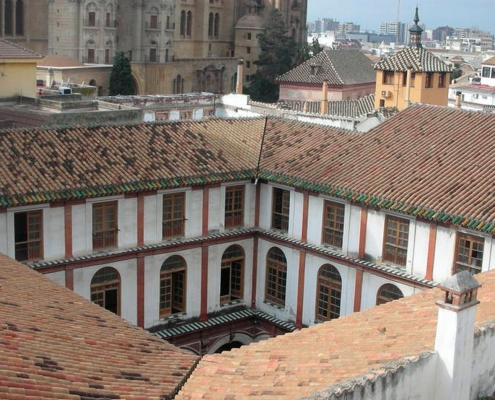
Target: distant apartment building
[348,27]
[441,33]
[398,29]
[486,39]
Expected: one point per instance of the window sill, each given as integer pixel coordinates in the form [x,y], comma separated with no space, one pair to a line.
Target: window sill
[277,306]
[232,303]
[173,317]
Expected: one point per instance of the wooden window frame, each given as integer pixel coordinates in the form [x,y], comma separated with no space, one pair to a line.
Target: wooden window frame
[233,259]
[333,224]
[329,293]
[471,245]
[280,209]
[388,77]
[32,243]
[234,207]
[382,296]
[154,21]
[91,18]
[394,250]
[173,286]
[100,288]
[91,56]
[442,79]
[173,219]
[106,235]
[428,80]
[276,277]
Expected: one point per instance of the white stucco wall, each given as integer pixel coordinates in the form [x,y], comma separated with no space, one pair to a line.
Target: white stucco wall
[128,285]
[58,277]
[371,284]
[483,368]
[215,209]
[4,234]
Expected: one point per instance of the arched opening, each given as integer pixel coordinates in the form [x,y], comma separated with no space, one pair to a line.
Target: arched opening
[189,24]
[183,23]
[90,52]
[217,26]
[228,347]
[19,18]
[276,276]
[173,286]
[9,20]
[232,274]
[105,289]
[210,25]
[387,293]
[329,293]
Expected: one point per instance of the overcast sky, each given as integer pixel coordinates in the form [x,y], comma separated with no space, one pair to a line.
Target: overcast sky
[433,13]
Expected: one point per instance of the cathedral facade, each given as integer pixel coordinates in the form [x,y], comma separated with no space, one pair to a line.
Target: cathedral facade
[175,46]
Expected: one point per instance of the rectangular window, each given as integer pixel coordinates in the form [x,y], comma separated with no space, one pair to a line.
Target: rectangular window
[105,225]
[388,77]
[107,56]
[152,55]
[429,80]
[28,231]
[91,18]
[248,50]
[154,22]
[173,215]
[91,56]
[486,72]
[234,206]
[333,224]
[248,64]
[404,79]
[441,80]
[107,20]
[469,253]
[493,73]
[396,238]
[280,209]
[249,36]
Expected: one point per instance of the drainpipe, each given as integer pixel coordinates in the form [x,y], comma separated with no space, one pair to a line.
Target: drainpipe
[455,336]
[240,74]
[324,98]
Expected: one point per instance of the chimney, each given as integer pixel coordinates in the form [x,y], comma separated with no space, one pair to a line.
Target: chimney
[455,336]
[324,98]
[458,97]
[240,74]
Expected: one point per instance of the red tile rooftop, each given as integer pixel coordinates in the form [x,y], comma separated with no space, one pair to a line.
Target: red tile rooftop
[313,359]
[56,344]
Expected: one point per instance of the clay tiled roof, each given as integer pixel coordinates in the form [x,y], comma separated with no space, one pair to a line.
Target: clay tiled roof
[427,161]
[490,61]
[55,344]
[324,357]
[44,165]
[338,67]
[424,161]
[9,50]
[416,58]
[352,109]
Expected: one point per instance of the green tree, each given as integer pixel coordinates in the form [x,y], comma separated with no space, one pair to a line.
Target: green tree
[456,72]
[276,55]
[305,51]
[121,81]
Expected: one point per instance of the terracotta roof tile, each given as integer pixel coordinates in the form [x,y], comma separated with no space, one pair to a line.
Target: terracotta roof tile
[10,50]
[338,67]
[318,358]
[56,344]
[416,58]
[490,61]
[57,60]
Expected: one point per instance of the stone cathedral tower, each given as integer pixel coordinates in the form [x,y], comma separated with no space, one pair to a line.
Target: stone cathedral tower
[175,46]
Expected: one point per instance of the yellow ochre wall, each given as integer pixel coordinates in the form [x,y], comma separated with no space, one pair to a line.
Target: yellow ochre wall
[418,92]
[17,77]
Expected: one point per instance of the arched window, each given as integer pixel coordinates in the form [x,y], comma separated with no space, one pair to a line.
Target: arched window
[173,286]
[9,20]
[388,292]
[19,18]
[183,23]
[210,25]
[178,85]
[217,26]
[109,20]
[231,278]
[105,289]
[276,276]
[189,24]
[329,293]
[91,15]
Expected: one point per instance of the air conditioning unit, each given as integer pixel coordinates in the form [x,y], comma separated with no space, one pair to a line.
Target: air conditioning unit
[386,94]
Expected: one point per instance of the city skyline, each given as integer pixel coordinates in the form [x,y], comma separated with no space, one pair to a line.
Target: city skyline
[476,13]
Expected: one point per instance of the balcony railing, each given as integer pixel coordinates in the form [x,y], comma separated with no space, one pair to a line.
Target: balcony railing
[154,25]
[91,23]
